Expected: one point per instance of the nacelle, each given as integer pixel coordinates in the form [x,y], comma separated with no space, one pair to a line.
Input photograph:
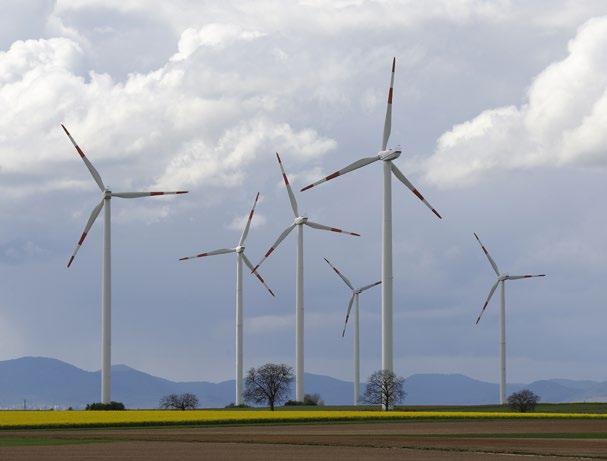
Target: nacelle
[389,154]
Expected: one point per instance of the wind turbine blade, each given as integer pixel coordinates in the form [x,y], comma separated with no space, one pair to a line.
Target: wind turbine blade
[369,286]
[259,277]
[348,314]
[245,232]
[516,277]
[88,164]
[351,167]
[327,228]
[87,228]
[145,194]
[342,276]
[280,238]
[491,261]
[221,251]
[412,188]
[289,190]
[487,301]
[388,121]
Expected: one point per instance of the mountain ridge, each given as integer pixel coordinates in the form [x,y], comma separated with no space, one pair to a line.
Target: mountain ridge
[51,383]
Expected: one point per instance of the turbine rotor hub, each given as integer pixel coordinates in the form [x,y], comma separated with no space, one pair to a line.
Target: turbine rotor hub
[389,154]
[239,249]
[301,220]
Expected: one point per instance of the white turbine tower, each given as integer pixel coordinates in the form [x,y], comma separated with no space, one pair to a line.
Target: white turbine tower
[386,155]
[106,280]
[353,300]
[501,280]
[240,258]
[299,222]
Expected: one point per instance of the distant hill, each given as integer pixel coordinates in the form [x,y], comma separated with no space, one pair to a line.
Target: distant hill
[45,382]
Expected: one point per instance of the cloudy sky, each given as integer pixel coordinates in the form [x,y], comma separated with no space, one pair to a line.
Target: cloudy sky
[500,109]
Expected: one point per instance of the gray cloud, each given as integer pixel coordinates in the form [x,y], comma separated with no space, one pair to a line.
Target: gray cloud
[197,95]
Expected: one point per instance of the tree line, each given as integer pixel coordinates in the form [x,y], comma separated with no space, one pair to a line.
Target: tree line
[270,385]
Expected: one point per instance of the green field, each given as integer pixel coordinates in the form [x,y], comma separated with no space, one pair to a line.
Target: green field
[579,407]
[33,441]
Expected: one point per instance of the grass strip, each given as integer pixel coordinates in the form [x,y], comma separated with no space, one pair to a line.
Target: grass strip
[36,441]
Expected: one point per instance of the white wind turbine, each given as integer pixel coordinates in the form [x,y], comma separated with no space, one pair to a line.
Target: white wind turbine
[106,280]
[240,258]
[386,155]
[501,280]
[298,222]
[353,300]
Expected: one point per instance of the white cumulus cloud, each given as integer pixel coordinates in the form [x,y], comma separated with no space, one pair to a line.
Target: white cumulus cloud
[560,122]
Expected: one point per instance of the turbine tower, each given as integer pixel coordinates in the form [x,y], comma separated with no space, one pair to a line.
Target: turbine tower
[106,280]
[353,300]
[240,258]
[299,222]
[387,156]
[501,280]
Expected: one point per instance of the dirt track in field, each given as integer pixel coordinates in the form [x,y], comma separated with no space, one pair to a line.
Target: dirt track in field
[454,440]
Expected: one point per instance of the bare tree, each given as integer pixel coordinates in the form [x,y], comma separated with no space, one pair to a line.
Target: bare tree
[185,401]
[385,388]
[269,383]
[523,401]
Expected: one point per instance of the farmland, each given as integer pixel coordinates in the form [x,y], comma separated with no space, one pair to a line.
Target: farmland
[566,431]
[136,418]
[429,439]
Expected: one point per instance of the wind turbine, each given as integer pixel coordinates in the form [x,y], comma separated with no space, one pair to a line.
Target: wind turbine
[387,156]
[501,280]
[240,258]
[299,222]
[106,280]
[353,300]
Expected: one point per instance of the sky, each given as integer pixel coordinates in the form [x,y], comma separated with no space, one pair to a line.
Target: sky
[499,109]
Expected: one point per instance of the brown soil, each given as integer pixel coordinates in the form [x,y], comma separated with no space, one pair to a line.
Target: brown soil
[453,440]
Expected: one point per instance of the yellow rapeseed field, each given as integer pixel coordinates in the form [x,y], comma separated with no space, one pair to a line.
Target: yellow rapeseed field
[40,419]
